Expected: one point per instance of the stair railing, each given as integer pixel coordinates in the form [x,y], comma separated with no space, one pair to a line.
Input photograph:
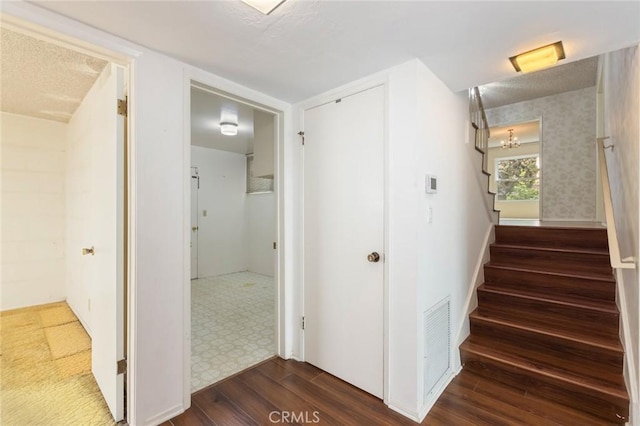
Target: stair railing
[612,236]
[480,124]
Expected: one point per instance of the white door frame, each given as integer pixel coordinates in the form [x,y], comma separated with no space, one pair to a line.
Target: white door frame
[537,118]
[225,88]
[124,57]
[331,96]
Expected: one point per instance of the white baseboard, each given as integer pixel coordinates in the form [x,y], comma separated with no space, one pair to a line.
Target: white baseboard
[424,410]
[164,416]
[478,277]
[406,413]
[630,374]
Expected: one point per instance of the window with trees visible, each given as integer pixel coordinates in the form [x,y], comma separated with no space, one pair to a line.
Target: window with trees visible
[518,178]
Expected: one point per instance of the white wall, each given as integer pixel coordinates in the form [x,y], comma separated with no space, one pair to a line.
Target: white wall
[222,236]
[261,232]
[425,262]
[622,124]
[33,211]
[449,248]
[568,150]
[159,233]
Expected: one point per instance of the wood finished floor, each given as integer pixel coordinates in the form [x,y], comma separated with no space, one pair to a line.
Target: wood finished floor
[317,397]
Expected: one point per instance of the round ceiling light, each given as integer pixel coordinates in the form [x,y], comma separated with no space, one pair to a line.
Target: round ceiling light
[229,129]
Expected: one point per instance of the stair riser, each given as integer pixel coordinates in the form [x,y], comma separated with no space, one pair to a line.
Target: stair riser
[596,403]
[579,263]
[553,237]
[591,361]
[571,318]
[547,284]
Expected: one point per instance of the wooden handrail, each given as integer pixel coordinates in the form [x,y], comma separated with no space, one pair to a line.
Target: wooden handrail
[614,249]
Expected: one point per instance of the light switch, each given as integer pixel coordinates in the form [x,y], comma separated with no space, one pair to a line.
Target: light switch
[204,212]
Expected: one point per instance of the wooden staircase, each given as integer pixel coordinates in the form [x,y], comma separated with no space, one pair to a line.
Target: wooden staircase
[547,321]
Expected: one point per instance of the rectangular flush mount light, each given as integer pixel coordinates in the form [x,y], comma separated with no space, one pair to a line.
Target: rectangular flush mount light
[539,58]
[264,6]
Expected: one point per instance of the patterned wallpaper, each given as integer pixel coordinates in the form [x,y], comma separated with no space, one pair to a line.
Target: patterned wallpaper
[568,150]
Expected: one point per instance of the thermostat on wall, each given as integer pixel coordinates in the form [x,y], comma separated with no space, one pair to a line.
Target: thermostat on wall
[430,184]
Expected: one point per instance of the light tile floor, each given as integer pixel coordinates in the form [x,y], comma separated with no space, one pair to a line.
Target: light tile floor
[232,325]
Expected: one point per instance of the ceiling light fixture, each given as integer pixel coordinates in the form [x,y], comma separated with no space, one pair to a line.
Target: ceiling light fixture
[228,129]
[512,143]
[264,6]
[539,58]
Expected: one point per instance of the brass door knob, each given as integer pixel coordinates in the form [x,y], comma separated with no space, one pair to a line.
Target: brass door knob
[86,251]
[194,228]
[373,257]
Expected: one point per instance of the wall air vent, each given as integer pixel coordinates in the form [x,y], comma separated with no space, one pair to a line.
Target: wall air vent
[437,346]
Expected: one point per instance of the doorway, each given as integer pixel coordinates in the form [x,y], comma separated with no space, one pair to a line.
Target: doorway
[233,236]
[64,200]
[344,238]
[514,162]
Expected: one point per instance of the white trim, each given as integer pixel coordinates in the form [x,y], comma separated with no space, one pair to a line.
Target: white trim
[221,87]
[370,82]
[540,153]
[172,412]
[630,374]
[422,413]
[52,28]
[478,277]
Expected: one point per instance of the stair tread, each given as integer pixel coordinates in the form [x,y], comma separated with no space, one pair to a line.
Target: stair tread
[567,274]
[589,370]
[555,228]
[594,305]
[593,251]
[594,385]
[612,344]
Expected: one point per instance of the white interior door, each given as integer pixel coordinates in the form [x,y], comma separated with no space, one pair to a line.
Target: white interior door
[107,234]
[194,225]
[343,224]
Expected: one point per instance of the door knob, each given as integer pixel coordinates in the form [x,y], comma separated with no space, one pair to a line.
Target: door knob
[373,257]
[86,251]
[194,228]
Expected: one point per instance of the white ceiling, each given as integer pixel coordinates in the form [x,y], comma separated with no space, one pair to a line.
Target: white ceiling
[43,80]
[559,79]
[309,46]
[208,110]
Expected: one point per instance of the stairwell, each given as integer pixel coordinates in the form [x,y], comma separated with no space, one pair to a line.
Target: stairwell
[547,321]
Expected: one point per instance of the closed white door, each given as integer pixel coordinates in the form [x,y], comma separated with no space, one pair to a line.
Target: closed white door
[194,225]
[343,225]
[107,236]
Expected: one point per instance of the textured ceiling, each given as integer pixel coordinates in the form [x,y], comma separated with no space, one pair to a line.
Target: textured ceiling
[306,47]
[560,79]
[43,80]
[208,111]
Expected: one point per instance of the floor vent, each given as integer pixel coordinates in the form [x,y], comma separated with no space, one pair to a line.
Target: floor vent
[437,346]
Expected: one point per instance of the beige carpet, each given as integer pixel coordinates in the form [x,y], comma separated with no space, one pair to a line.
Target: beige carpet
[46,370]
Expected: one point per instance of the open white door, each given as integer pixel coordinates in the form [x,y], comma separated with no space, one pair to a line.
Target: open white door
[107,233]
[344,238]
[195,182]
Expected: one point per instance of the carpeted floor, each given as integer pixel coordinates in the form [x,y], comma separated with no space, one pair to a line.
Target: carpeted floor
[46,370]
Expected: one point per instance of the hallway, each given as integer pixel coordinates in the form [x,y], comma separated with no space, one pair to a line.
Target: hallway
[279,388]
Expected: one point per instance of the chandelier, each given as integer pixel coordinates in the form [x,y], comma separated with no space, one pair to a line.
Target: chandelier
[511,143]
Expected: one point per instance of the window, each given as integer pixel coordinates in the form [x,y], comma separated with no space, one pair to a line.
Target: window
[518,178]
[257,185]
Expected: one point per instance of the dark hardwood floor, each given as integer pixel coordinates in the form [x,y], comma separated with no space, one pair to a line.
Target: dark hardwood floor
[291,392]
